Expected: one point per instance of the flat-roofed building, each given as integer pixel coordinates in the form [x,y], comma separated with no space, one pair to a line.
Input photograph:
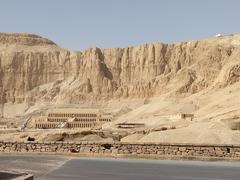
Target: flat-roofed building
[73,118]
[182,116]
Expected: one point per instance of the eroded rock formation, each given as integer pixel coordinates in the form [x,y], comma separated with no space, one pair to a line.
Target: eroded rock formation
[35,69]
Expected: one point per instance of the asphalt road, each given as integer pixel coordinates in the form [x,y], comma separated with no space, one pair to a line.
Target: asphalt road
[59,168]
[100,169]
[36,165]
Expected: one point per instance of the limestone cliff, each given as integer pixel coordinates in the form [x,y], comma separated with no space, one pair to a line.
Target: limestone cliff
[34,69]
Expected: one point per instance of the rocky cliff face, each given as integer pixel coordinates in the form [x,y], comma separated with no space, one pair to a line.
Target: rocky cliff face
[34,69]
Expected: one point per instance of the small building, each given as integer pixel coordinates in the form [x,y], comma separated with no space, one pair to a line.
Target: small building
[182,116]
[218,35]
[72,118]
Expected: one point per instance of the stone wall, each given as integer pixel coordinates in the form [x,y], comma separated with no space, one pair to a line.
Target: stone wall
[150,150]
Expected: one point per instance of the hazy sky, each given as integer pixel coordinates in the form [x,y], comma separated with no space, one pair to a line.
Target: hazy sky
[79,24]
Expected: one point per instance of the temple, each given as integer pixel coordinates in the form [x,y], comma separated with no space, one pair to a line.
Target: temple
[72,118]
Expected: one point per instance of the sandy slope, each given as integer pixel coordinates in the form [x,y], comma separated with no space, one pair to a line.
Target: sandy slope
[214,110]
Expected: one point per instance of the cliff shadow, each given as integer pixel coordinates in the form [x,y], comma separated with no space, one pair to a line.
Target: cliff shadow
[107,73]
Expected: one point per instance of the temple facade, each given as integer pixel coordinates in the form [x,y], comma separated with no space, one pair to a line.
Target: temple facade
[72,118]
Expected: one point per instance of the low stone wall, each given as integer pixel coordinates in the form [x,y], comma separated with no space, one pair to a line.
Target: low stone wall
[150,150]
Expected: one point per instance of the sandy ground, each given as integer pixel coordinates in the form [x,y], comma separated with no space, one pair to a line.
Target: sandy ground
[216,111]
[63,135]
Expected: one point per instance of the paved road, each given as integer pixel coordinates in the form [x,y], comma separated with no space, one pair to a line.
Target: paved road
[106,169]
[37,165]
[66,168]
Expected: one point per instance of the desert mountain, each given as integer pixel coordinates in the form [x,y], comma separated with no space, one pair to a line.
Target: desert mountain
[201,77]
[35,69]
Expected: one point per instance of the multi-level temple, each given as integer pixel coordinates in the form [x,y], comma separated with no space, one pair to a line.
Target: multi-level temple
[72,118]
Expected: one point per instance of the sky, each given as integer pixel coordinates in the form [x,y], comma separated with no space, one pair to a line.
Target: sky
[81,24]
